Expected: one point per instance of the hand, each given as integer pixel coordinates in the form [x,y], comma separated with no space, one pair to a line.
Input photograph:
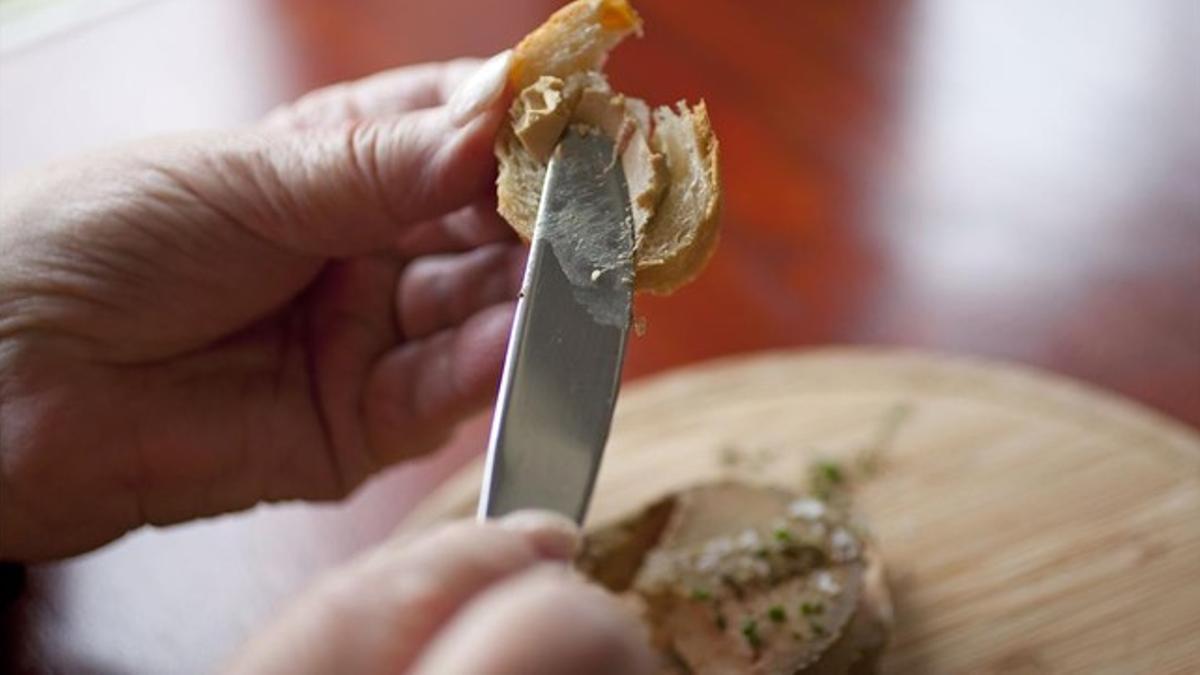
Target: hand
[194,325]
[468,599]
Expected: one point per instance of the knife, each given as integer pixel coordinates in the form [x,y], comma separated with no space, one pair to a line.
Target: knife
[563,366]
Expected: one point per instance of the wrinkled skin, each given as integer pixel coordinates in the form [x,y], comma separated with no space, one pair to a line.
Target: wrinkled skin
[197,324]
[193,325]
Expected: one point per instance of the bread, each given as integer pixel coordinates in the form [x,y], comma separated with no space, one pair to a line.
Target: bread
[669,155]
[732,578]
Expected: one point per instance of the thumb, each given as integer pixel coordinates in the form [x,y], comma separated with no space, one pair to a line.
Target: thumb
[353,188]
[540,624]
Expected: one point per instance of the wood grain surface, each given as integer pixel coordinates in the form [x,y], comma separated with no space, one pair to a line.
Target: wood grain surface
[1014,180]
[1028,523]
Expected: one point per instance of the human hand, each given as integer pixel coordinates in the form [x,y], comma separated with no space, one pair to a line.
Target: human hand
[467,599]
[194,325]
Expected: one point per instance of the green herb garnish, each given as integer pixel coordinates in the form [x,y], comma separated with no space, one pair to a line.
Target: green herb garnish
[826,477]
[750,632]
[701,595]
[721,624]
[831,471]
[811,608]
[777,614]
[783,535]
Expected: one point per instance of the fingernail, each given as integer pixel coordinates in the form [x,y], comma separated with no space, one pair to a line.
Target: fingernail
[480,90]
[555,537]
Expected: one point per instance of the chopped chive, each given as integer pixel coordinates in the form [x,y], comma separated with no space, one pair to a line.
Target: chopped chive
[777,614]
[783,535]
[826,478]
[831,472]
[817,629]
[701,595]
[750,632]
[811,608]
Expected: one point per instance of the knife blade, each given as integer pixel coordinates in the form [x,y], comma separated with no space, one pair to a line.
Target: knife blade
[563,366]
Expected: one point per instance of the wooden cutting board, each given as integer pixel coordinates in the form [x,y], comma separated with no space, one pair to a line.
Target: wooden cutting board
[1030,524]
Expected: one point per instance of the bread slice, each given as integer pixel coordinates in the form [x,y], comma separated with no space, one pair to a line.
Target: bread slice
[749,579]
[670,155]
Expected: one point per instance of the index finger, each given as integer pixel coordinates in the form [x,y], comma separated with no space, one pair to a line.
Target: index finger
[389,92]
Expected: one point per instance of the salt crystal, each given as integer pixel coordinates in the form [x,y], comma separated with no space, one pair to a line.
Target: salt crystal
[719,546]
[749,539]
[807,508]
[843,545]
[825,583]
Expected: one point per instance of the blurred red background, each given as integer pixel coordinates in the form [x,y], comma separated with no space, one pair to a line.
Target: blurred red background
[1014,180]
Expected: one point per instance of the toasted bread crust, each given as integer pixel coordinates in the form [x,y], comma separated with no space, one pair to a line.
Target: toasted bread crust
[665,269]
[516,198]
[577,37]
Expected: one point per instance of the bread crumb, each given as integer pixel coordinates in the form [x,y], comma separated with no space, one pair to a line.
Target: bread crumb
[639,326]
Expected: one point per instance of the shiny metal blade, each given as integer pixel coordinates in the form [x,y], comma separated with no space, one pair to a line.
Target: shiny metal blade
[564,359]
